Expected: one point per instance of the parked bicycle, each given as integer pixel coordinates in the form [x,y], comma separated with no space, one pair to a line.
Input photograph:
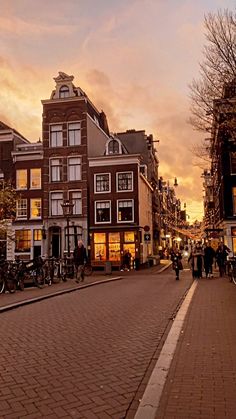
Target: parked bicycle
[8,277]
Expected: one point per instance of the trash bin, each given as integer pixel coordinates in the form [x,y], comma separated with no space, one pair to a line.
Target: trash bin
[136,264]
[150,262]
[108,268]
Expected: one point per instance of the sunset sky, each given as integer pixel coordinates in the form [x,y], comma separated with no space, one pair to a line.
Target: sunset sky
[134,59]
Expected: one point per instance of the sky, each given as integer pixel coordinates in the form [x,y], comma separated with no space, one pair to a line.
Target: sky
[135,60]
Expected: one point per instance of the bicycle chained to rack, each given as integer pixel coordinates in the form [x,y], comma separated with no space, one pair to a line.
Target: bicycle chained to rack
[231,270]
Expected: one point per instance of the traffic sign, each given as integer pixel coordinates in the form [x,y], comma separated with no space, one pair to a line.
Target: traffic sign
[147,237]
[146,228]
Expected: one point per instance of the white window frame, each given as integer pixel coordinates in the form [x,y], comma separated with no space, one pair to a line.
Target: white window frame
[117,181]
[40,178]
[58,140]
[95,183]
[64,93]
[59,166]
[51,207]
[17,187]
[69,169]
[117,210]
[20,208]
[95,212]
[76,141]
[71,192]
[40,216]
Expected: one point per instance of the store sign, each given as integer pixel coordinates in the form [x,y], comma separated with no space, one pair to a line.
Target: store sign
[147,237]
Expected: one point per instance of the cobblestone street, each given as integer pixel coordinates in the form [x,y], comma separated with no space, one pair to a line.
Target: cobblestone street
[88,353]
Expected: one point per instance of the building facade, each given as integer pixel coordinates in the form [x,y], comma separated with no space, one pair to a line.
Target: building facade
[220,194]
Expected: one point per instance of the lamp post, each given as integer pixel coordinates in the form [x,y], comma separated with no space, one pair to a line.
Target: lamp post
[67,208]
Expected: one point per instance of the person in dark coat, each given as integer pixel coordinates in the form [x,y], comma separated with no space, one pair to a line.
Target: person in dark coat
[221,257]
[176,257]
[127,260]
[196,259]
[209,254]
[79,260]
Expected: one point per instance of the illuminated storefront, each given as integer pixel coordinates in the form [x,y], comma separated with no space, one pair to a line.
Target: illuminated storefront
[112,245]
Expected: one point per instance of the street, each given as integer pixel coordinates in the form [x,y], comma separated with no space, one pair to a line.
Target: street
[89,353]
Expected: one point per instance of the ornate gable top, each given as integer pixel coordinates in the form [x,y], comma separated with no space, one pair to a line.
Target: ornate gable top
[63,77]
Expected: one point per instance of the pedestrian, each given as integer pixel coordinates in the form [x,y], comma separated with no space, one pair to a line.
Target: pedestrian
[127,260]
[197,261]
[80,258]
[221,257]
[209,254]
[177,266]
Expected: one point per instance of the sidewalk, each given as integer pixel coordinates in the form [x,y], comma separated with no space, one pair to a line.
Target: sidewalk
[33,294]
[201,382]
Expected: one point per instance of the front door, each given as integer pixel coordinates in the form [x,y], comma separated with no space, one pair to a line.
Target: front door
[55,242]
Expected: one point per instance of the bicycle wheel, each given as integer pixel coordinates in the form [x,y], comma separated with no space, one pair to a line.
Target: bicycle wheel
[10,285]
[88,269]
[2,285]
[39,278]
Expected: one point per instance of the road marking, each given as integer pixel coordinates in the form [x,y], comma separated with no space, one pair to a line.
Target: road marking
[151,398]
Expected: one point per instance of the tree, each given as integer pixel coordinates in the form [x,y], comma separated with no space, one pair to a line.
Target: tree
[7,202]
[216,70]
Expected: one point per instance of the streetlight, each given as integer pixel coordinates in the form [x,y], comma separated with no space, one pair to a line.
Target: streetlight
[67,208]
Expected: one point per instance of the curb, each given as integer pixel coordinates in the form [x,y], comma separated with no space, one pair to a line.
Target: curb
[164,268]
[149,403]
[55,294]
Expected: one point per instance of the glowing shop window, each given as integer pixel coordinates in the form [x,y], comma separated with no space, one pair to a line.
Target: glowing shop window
[129,237]
[100,246]
[114,246]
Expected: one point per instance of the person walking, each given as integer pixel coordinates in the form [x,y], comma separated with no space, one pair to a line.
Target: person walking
[177,266]
[221,257]
[209,254]
[80,258]
[196,258]
[127,260]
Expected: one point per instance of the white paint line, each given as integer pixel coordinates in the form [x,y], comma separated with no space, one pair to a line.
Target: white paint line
[152,395]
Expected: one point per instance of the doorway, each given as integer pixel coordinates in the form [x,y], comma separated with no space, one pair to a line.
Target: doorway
[55,242]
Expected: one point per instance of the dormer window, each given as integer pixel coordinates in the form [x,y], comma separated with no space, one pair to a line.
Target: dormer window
[113,147]
[64,92]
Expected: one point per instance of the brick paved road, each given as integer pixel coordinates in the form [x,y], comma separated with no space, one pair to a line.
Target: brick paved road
[201,383]
[84,355]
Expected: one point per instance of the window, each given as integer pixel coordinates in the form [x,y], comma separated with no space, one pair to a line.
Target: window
[102,183]
[233,162]
[143,169]
[74,168]
[37,235]
[125,210]
[114,246]
[35,178]
[21,179]
[76,198]
[21,208]
[64,92]
[55,135]
[125,181]
[35,208]
[56,201]
[100,246]
[56,170]
[113,147]
[234,200]
[103,212]
[74,133]
[23,240]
